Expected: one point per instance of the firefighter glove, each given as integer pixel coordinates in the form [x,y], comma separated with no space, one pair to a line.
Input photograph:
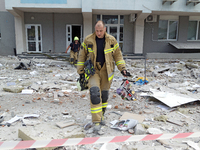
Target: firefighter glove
[83,82]
[126,73]
[82,77]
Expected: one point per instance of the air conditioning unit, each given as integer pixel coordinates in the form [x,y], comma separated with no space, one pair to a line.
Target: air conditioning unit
[151,18]
[195,2]
[171,1]
[132,17]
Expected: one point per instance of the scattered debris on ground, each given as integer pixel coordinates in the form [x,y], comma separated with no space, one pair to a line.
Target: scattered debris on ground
[39,99]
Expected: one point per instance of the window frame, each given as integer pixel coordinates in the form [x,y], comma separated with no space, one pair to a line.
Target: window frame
[168,21]
[118,25]
[197,30]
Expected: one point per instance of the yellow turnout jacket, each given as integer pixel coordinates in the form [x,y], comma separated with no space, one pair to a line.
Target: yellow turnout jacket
[112,53]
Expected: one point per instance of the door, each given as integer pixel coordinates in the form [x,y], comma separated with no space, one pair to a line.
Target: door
[33,38]
[71,32]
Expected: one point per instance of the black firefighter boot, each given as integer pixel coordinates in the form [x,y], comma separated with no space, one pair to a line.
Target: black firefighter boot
[71,61]
[75,63]
[103,123]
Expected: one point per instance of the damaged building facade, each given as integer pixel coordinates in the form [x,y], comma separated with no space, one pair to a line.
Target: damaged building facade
[156,28]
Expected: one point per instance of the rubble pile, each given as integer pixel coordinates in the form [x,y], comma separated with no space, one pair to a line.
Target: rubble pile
[43,102]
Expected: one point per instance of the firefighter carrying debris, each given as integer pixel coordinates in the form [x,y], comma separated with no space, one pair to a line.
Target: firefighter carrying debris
[75,47]
[96,65]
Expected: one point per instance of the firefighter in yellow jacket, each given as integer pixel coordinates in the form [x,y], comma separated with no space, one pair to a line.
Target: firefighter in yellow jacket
[104,52]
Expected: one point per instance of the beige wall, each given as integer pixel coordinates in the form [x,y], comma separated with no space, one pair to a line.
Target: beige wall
[2,5]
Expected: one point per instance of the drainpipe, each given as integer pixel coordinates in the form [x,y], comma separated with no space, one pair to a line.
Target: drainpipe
[53,34]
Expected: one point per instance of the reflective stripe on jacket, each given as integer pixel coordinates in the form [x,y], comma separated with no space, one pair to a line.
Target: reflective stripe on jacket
[112,53]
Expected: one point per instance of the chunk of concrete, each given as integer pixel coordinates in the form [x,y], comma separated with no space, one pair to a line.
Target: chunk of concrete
[13,89]
[161,70]
[154,131]
[50,95]
[64,124]
[27,92]
[60,94]
[147,111]
[139,130]
[46,131]
[190,66]
[137,117]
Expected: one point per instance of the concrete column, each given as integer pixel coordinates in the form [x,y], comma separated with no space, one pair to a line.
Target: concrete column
[139,33]
[19,31]
[87,17]
[87,23]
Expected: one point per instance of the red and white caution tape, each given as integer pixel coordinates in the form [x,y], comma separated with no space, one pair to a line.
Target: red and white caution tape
[92,140]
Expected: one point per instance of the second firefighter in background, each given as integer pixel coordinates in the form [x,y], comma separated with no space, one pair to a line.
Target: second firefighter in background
[104,52]
[75,47]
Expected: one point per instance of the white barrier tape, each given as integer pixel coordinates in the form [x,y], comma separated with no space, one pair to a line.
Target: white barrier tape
[92,140]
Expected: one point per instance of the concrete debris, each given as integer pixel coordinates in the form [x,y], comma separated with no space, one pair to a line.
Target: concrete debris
[161,70]
[109,146]
[192,144]
[178,99]
[28,92]
[176,122]
[65,124]
[127,115]
[30,122]
[35,86]
[168,103]
[161,118]
[60,94]
[139,130]
[154,131]
[13,89]
[191,66]
[147,111]
[50,94]
[1,119]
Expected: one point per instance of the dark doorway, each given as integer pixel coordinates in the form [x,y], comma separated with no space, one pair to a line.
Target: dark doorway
[76,31]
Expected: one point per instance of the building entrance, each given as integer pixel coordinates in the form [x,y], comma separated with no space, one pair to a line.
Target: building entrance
[71,32]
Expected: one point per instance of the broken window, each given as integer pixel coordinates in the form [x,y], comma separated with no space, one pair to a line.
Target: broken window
[194,30]
[167,30]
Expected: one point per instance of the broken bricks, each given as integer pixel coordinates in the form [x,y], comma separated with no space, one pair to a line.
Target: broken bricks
[178,80]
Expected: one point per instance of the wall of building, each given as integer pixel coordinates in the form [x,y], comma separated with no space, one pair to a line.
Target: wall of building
[7,41]
[55,41]
[128,41]
[153,45]
[46,21]
[61,20]
[2,5]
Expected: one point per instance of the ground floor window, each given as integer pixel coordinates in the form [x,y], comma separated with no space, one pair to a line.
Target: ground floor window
[114,26]
[33,37]
[194,30]
[167,30]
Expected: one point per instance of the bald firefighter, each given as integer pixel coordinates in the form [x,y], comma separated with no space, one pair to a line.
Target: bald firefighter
[100,51]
